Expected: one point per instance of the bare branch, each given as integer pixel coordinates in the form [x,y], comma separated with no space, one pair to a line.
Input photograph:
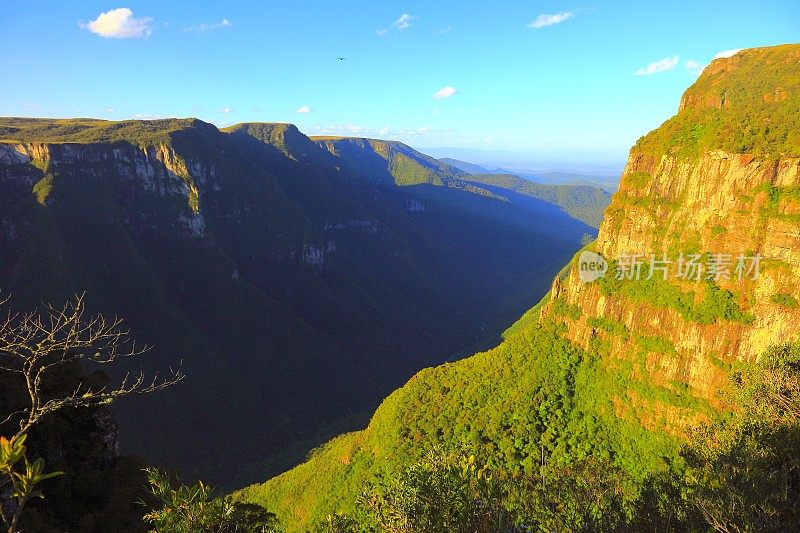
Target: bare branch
[35,344]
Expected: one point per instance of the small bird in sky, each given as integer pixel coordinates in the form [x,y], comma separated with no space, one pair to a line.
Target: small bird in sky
[341,58]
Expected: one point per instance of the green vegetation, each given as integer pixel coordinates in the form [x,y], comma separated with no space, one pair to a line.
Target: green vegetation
[386,161]
[657,344]
[716,303]
[537,434]
[718,230]
[610,326]
[404,165]
[785,299]
[744,104]
[537,444]
[637,180]
[507,407]
[440,492]
[192,508]
[406,171]
[740,471]
[43,188]
[214,266]
[565,309]
[84,131]
[22,477]
[776,199]
[583,202]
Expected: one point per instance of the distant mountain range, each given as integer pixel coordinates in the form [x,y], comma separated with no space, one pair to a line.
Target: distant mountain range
[299,279]
[552,177]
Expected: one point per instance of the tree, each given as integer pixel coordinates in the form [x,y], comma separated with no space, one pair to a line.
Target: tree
[743,472]
[36,349]
[587,495]
[443,492]
[340,523]
[35,345]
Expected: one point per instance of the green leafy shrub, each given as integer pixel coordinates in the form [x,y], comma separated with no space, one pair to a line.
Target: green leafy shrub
[441,493]
[192,508]
[637,180]
[561,307]
[22,477]
[785,299]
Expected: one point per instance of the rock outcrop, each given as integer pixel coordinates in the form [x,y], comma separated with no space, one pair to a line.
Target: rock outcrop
[735,209]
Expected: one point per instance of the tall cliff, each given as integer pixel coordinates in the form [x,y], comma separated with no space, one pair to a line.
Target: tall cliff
[618,370]
[720,179]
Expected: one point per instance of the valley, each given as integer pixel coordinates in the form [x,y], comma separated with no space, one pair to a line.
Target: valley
[359,267]
[331,269]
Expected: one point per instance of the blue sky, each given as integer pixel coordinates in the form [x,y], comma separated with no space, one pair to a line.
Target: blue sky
[547,79]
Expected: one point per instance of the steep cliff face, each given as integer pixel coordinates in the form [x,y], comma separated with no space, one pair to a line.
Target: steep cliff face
[148,170]
[683,192]
[297,294]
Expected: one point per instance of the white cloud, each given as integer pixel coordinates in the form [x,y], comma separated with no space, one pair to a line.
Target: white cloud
[204,27]
[444,31]
[727,53]
[119,24]
[304,109]
[226,110]
[662,65]
[546,19]
[694,67]
[408,134]
[445,92]
[403,22]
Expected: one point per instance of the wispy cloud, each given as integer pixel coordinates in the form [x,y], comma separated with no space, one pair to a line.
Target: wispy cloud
[662,65]
[549,19]
[119,24]
[694,67]
[403,22]
[444,31]
[415,132]
[205,27]
[445,92]
[340,129]
[226,110]
[411,134]
[304,109]
[727,53]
